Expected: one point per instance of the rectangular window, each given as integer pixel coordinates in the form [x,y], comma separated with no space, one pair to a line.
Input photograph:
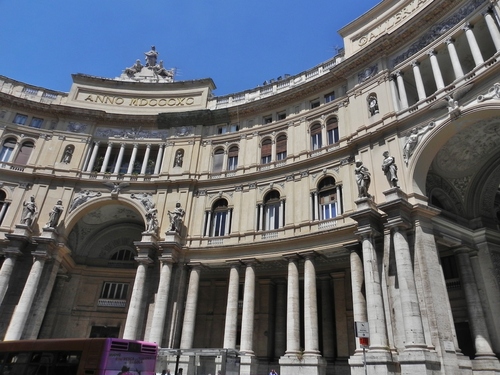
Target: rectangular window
[267,119]
[330,97]
[228,129]
[114,291]
[20,119]
[36,122]
[281,115]
[328,211]
[265,159]
[219,224]
[314,103]
[316,141]
[218,161]
[232,163]
[273,216]
[333,136]
[281,155]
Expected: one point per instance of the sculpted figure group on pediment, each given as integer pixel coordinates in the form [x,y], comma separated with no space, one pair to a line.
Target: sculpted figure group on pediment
[152,65]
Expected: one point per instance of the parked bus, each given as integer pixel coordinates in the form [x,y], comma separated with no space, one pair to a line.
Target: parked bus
[96,356]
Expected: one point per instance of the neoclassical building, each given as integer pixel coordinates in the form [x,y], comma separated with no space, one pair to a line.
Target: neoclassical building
[251,231]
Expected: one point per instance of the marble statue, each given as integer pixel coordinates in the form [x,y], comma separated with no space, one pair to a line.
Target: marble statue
[55,215]
[390,169]
[151,219]
[29,212]
[151,57]
[363,179]
[176,218]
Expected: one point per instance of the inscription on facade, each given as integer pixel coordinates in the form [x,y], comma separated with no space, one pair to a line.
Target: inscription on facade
[140,102]
[393,21]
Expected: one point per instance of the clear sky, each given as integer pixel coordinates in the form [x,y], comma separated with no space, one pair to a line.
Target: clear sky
[238,43]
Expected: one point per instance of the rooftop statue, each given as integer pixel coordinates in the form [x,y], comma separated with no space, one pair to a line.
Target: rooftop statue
[151,70]
[151,57]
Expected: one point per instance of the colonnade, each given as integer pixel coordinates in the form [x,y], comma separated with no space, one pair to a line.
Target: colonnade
[404,100]
[114,162]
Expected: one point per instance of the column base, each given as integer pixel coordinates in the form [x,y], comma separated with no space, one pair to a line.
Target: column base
[248,365]
[418,361]
[378,362]
[304,365]
[486,365]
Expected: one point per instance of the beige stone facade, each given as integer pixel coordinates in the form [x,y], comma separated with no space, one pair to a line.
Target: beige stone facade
[235,228]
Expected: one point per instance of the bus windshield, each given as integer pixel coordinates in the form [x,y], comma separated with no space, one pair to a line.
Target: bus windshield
[97,356]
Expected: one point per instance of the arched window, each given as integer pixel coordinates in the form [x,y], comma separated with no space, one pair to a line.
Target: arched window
[266,150]
[3,205]
[332,130]
[7,149]
[316,141]
[232,158]
[273,211]
[24,153]
[218,220]
[218,160]
[325,200]
[281,147]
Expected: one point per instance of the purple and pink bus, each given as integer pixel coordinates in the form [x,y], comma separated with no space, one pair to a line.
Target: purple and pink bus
[96,356]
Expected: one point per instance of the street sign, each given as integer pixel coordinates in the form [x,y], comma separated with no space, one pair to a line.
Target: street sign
[362,329]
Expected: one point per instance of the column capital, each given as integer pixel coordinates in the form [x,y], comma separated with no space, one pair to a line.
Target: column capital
[415,63]
[40,255]
[432,52]
[398,73]
[449,40]
[467,26]
[249,262]
[233,263]
[309,255]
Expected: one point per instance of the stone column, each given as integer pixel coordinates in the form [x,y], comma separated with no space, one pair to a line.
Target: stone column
[471,39]
[358,298]
[136,306]
[311,341]
[327,325]
[90,166]
[132,159]
[493,29]
[190,309]
[231,325]
[22,310]
[6,270]
[146,159]
[414,332]
[418,80]
[247,316]
[339,279]
[293,309]
[280,323]
[106,157]
[477,322]
[436,71]
[401,88]
[161,302]
[119,159]
[209,223]
[158,159]
[455,61]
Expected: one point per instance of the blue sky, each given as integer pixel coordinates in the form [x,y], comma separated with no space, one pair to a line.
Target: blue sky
[239,44]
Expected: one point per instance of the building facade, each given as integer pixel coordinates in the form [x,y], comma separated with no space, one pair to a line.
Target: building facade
[250,231]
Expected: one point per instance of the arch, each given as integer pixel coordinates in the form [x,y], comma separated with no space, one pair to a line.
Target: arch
[217,160]
[327,200]
[316,136]
[266,147]
[24,152]
[73,217]
[232,157]
[7,150]
[332,130]
[281,146]
[474,129]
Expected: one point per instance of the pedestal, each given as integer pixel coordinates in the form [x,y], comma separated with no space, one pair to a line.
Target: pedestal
[248,365]
[305,365]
